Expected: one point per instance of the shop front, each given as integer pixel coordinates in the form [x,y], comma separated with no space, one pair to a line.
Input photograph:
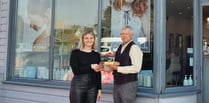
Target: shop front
[37,37]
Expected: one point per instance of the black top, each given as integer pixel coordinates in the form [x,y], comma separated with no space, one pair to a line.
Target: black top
[81,61]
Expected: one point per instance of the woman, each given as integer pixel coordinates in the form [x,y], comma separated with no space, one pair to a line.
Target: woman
[174,67]
[86,83]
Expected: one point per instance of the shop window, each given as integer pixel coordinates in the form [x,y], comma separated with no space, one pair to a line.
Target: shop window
[33,51]
[71,20]
[137,14]
[32,39]
[179,43]
[205,31]
[43,54]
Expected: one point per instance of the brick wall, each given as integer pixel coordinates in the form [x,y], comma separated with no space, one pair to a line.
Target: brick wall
[4,14]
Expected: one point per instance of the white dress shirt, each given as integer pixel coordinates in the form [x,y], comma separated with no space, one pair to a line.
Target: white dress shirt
[136,56]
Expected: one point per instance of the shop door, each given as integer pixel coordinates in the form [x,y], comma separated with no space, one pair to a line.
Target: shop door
[206,53]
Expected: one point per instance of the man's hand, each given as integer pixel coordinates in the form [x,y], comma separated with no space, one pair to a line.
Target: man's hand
[113,67]
[110,54]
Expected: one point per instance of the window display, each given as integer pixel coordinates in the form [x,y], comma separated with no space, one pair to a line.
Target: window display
[33,49]
[179,44]
[137,14]
[32,39]
[69,25]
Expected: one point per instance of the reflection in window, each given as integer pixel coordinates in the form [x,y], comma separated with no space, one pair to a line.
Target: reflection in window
[205,21]
[140,18]
[179,43]
[32,39]
[71,20]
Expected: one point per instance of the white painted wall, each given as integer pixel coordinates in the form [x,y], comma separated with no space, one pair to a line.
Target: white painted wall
[3,34]
[147,100]
[28,94]
[182,99]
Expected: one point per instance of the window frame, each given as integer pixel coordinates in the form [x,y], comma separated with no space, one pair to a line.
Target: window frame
[197,55]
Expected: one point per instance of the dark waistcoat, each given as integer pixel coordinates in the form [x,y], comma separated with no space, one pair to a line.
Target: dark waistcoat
[124,60]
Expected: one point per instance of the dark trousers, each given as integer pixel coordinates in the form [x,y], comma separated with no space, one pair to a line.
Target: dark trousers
[82,91]
[125,93]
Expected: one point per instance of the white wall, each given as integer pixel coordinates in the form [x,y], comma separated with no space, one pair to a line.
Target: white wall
[4,5]
[182,99]
[179,99]
[29,94]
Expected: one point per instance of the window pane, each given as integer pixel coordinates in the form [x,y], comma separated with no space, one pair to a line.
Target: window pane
[205,30]
[32,39]
[179,43]
[70,21]
[138,15]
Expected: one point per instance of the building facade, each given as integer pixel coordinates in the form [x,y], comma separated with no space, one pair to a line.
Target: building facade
[37,36]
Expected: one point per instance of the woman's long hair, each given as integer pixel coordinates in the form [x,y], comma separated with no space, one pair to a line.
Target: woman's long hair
[139,7]
[117,4]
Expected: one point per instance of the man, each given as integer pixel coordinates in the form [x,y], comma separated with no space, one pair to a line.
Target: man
[129,57]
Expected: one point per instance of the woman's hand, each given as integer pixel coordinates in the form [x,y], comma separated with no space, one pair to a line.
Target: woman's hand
[96,67]
[99,95]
